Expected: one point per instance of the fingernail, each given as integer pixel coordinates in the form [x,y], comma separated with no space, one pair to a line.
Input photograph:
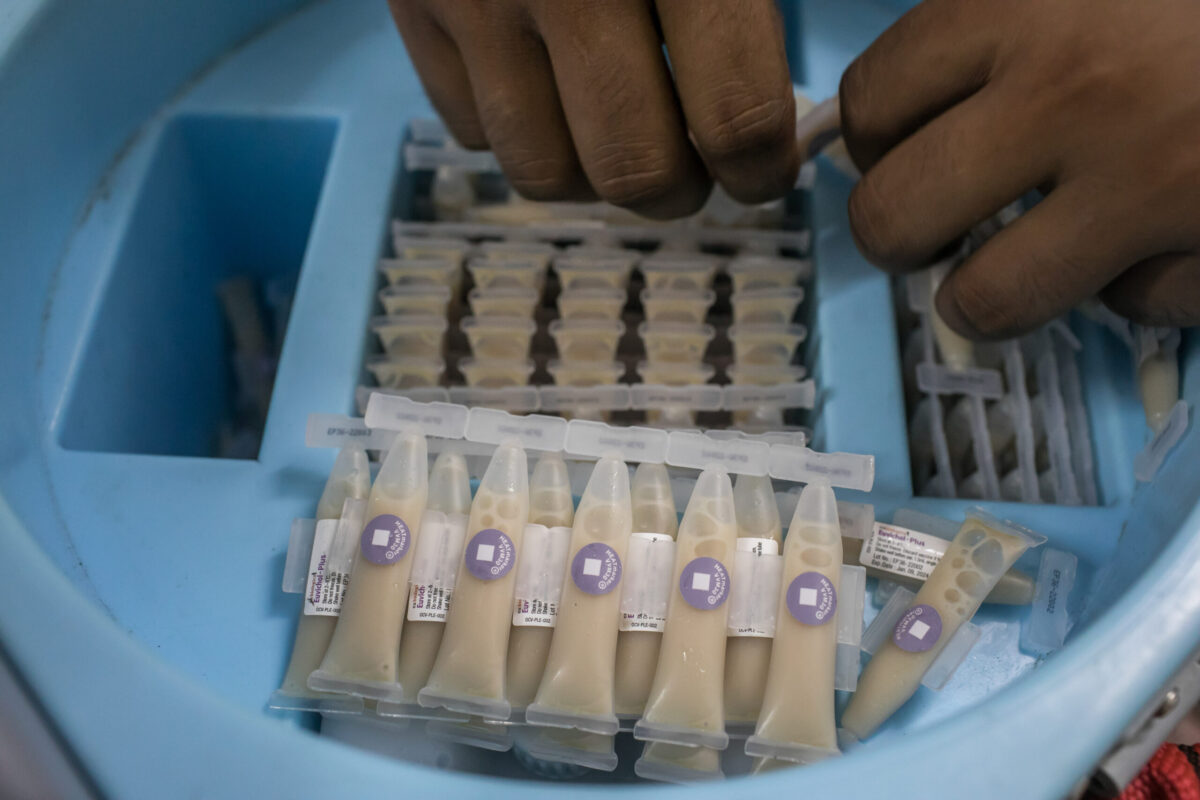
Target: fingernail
[946,307]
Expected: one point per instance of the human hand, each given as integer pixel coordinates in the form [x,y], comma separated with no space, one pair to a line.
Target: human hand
[576,100]
[965,105]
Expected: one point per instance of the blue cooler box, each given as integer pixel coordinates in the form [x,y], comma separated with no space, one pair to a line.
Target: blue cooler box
[149,150]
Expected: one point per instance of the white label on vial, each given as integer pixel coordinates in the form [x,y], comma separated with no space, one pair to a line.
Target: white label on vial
[646,584]
[902,551]
[540,570]
[328,569]
[754,600]
[438,551]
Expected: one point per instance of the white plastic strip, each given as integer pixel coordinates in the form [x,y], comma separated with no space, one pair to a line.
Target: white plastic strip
[1147,463]
[430,157]
[1049,623]
[421,394]
[697,451]
[646,583]
[535,431]
[981,443]
[851,600]
[701,397]
[517,399]
[299,553]
[1014,369]
[935,378]
[947,662]
[1077,422]
[429,131]
[614,397]
[754,588]
[339,430]
[1058,442]
[800,464]
[541,569]
[855,519]
[800,394]
[392,412]
[435,565]
[595,439]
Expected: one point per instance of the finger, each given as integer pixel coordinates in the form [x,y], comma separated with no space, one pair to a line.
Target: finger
[621,107]
[731,72]
[933,57]
[1039,267]
[1162,291]
[513,87]
[955,172]
[441,71]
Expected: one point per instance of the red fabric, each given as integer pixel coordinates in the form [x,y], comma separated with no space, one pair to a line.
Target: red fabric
[1168,776]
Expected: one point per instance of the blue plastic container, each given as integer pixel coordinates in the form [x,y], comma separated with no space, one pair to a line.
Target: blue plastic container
[148,150]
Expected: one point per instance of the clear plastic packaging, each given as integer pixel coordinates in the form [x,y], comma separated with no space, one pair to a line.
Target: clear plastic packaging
[677,305]
[429,248]
[797,719]
[569,746]
[772,306]
[592,304]
[499,337]
[760,375]
[436,557]
[551,509]
[677,342]
[957,352]
[673,763]
[361,657]
[577,687]
[586,339]
[350,479]
[755,576]
[469,673]
[406,372]
[675,374]
[585,373]
[686,703]
[764,272]
[507,274]
[1156,353]
[415,299]
[654,520]
[410,335]
[691,271]
[982,551]
[422,272]
[496,373]
[675,409]
[503,302]
[581,271]
[766,345]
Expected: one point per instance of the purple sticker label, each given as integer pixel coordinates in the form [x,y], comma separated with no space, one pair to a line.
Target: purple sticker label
[596,568]
[811,599]
[385,539]
[704,583]
[918,630]
[490,554]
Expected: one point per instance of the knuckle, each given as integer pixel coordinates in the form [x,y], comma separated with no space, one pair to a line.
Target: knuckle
[634,175]
[539,177]
[874,225]
[852,101]
[740,122]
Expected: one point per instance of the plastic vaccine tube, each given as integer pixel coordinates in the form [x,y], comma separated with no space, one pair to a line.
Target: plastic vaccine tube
[675,341]
[499,337]
[776,305]
[982,551]
[677,305]
[577,687]
[675,763]
[435,560]
[570,746]
[552,511]
[406,372]
[765,345]
[654,517]
[587,339]
[361,657]
[1015,588]
[496,373]
[597,304]
[747,656]
[350,478]
[1158,373]
[410,334]
[797,720]
[415,299]
[510,302]
[687,698]
[469,673]
[958,353]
